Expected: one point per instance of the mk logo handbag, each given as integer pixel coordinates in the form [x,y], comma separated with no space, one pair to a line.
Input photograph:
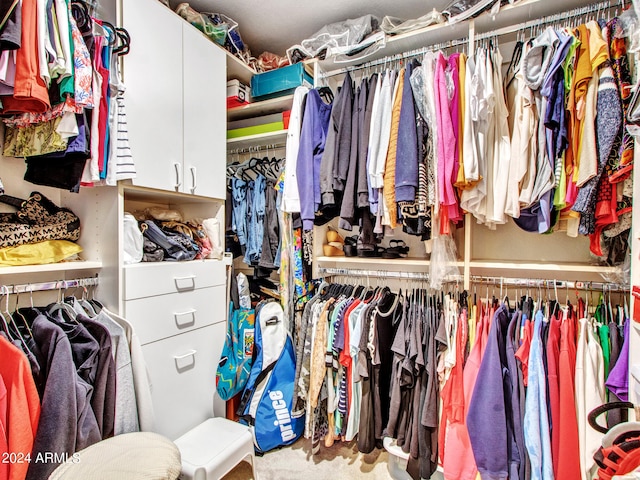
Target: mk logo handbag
[37,219]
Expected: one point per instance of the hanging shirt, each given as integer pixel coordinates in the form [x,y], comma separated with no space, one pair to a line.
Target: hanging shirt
[22,408]
[290,195]
[567,462]
[446,146]
[373,147]
[502,147]
[312,142]
[536,422]
[389,178]
[589,378]
[30,91]
[490,417]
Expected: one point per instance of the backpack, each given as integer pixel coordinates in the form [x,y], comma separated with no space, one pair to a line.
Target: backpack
[236,359]
[268,397]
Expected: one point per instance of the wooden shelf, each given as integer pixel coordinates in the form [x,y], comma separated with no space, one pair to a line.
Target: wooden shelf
[259,139]
[373,261]
[50,267]
[257,109]
[540,270]
[237,69]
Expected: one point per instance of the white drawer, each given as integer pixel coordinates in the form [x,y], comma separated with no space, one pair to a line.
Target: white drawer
[183,379]
[149,279]
[164,316]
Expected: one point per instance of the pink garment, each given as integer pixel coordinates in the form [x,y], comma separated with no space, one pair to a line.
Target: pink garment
[567,464]
[452,394]
[572,192]
[523,352]
[457,461]
[453,77]
[104,106]
[447,143]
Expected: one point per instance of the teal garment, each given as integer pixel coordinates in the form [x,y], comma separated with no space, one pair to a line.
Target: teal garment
[236,359]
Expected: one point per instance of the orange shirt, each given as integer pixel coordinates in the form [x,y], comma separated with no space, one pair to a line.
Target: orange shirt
[30,93]
[389,185]
[23,404]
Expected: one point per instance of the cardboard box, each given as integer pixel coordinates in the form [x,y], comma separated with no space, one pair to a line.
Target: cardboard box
[255,130]
[237,94]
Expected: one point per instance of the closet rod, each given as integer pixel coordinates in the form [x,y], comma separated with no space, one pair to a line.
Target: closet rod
[327,271]
[57,285]
[535,283]
[266,148]
[558,17]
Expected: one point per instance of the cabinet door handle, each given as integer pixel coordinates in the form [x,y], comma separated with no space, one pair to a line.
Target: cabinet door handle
[186,361]
[177,166]
[185,283]
[193,179]
[189,322]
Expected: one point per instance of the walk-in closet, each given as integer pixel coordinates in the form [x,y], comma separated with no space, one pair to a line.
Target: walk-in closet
[377,240]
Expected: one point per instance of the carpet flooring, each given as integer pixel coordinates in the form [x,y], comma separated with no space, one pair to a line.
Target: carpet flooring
[340,461]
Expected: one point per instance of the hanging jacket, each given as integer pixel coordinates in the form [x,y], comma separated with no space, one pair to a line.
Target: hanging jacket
[490,416]
[407,149]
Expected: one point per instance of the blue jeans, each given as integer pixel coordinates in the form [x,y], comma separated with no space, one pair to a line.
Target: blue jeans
[256,200]
[239,205]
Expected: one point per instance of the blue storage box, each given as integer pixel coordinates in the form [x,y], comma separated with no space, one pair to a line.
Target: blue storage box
[279,82]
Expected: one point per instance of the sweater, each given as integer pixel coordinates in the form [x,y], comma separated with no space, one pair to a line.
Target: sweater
[406,173]
[312,142]
[490,416]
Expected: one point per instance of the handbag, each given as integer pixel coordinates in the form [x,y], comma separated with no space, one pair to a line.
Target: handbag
[37,219]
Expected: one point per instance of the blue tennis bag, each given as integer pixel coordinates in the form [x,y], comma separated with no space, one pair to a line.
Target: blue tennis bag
[268,396]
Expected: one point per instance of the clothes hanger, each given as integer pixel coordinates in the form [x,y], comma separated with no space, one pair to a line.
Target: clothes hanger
[97,305]
[66,311]
[326,94]
[5,323]
[81,15]
[124,42]
[19,313]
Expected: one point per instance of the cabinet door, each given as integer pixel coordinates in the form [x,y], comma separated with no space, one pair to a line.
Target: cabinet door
[182,370]
[153,77]
[205,115]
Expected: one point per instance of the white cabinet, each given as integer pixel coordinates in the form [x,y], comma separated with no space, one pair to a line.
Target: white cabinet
[179,313]
[182,370]
[176,104]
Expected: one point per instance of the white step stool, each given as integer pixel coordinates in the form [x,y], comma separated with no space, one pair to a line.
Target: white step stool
[213,448]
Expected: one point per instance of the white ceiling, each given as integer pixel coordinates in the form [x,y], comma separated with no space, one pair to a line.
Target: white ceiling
[275,25]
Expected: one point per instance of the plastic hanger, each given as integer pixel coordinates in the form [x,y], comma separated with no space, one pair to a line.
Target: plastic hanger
[84,303]
[19,314]
[4,291]
[97,305]
[67,313]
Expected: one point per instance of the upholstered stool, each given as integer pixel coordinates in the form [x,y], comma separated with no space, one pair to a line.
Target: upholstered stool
[130,456]
[212,449]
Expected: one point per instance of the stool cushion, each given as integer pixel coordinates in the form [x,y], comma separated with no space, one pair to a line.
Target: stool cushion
[138,455]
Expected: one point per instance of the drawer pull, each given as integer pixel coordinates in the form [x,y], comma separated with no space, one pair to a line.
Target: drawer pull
[186,361]
[190,321]
[185,283]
